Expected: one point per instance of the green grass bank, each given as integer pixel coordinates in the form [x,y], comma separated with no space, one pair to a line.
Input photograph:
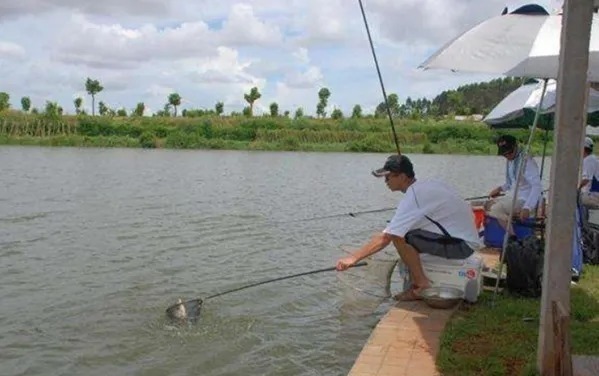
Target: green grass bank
[482,339]
[427,136]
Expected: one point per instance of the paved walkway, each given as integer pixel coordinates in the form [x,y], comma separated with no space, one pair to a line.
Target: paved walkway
[406,340]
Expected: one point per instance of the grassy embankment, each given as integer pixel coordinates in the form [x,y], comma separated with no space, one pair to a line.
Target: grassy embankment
[484,340]
[426,136]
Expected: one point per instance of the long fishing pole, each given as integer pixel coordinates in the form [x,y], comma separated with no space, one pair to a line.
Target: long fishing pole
[355,214]
[378,70]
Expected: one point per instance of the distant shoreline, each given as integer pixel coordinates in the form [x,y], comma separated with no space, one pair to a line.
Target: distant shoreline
[421,136]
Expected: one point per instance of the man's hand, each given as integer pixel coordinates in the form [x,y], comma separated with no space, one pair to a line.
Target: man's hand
[346,262]
[524,214]
[495,192]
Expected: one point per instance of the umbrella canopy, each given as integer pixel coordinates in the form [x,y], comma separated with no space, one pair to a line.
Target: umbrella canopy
[517,110]
[523,43]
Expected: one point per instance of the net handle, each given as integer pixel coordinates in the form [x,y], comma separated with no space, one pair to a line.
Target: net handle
[332,268]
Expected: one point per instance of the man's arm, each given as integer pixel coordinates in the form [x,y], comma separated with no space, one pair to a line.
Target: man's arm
[496,192]
[506,186]
[587,173]
[532,176]
[376,243]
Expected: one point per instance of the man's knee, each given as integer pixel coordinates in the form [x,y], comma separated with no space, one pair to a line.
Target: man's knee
[401,245]
[398,239]
[590,201]
[501,209]
[498,211]
[399,242]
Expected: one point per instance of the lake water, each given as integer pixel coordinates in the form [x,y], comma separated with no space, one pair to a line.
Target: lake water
[95,244]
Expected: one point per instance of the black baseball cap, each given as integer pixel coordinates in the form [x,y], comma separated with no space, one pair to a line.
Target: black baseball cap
[395,163]
[506,143]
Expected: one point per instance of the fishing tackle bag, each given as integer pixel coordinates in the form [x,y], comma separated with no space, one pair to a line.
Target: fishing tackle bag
[590,243]
[524,260]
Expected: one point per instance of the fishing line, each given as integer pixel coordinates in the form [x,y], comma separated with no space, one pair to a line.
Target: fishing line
[379,272]
[380,77]
[351,286]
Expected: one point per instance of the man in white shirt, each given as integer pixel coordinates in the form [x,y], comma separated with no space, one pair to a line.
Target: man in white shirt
[431,218]
[589,182]
[530,187]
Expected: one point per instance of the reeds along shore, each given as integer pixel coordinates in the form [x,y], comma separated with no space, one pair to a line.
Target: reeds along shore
[428,135]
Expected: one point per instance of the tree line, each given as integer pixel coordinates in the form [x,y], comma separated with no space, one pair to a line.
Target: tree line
[476,98]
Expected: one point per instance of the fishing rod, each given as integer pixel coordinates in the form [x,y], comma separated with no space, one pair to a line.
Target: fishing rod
[378,70]
[355,214]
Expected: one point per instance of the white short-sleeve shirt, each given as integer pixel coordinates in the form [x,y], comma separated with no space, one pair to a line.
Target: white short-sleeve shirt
[440,202]
[590,169]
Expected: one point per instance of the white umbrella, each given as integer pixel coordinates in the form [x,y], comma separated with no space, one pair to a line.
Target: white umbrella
[524,43]
[518,109]
[520,105]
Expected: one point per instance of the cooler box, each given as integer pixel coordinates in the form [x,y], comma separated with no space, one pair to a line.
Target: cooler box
[494,233]
[463,274]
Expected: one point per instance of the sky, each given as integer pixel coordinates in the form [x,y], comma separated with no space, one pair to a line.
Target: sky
[210,51]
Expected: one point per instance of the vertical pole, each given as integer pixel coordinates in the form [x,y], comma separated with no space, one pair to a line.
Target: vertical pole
[569,125]
[521,168]
[378,71]
[544,151]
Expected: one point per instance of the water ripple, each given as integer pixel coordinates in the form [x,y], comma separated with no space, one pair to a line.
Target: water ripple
[98,242]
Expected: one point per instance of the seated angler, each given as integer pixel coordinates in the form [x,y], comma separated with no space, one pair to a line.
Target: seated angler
[589,181]
[430,218]
[529,187]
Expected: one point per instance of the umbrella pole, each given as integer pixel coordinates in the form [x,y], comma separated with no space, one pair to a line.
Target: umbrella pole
[544,152]
[515,195]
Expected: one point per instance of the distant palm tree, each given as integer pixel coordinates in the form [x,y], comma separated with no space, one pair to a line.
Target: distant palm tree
[174,100]
[93,87]
[25,104]
[253,96]
[78,102]
[219,108]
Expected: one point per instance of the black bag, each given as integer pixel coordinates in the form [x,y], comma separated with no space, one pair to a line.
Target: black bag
[590,243]
[442,245]
[524,259]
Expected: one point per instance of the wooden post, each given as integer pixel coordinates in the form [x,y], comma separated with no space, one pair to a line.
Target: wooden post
[569,125]
[562,362]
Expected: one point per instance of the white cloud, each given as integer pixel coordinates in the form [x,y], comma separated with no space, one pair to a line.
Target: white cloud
[434,22]
[292,98]
[9,50]
[326,22]
[161,91]
[243,27]
[211,51]
[302,55]
[114,46]
[226,68]
[310,78]
[10,9]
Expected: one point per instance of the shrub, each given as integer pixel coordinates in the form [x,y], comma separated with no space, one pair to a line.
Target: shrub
[147,140]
